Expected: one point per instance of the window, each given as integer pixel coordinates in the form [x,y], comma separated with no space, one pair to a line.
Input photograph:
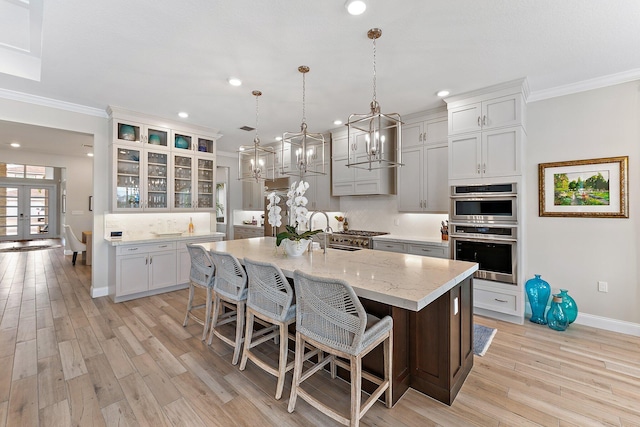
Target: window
[25,171]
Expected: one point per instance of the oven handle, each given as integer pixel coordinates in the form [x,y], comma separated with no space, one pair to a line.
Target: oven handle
[481,196]
[489,239]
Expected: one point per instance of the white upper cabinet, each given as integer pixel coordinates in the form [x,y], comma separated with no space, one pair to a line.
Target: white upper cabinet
[494,113]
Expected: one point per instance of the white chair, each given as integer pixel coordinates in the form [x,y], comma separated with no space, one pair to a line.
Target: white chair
[74,243]
[270,298]
[331,318]
[201,275]
[230,293]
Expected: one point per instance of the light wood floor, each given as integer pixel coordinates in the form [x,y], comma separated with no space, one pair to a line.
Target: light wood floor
[67,359]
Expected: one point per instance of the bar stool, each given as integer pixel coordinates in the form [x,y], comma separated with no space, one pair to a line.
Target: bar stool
[269,299]
[331,318]
[201,275]
[230,293]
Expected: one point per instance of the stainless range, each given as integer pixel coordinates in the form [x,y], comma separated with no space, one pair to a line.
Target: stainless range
[353,240]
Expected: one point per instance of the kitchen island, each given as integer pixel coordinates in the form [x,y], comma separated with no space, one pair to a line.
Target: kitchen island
[429,299]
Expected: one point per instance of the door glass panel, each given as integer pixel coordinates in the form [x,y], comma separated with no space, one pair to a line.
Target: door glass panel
[157,180]
[39,211]
[8,211]
[205,183]
[182,182]
[128,179]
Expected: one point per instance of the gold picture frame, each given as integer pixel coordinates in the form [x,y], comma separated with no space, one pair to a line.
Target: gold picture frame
[594,188]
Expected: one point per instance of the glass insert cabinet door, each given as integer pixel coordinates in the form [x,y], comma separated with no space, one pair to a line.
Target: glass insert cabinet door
[26,212]
[182,181]
[157,191]
[206,184]
[127,179]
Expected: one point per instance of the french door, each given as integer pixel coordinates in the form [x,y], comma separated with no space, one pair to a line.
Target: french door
[27,212]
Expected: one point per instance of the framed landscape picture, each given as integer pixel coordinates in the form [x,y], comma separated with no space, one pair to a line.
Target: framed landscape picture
[584,188]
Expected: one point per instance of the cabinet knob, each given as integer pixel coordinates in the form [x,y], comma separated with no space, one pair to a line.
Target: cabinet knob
[479,122]
[478,169]
[500,300]
[484,168]
[150,259]
[484,120]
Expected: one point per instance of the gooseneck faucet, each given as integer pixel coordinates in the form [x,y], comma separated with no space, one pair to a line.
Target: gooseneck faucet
[326,230]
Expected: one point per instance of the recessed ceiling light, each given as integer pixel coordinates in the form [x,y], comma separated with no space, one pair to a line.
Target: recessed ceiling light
[234,81]
[355,7]
[15,145]
[183,114]
[337,122]
[442,93]
[90,154]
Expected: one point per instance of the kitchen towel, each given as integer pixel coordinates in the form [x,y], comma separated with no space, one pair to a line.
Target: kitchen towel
[482,337]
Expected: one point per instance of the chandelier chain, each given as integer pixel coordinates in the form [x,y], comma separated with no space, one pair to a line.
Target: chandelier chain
[304,113]
[374,70]
[257,114]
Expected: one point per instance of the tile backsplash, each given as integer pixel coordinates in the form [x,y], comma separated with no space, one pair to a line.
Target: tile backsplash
[379,213]
[144,224]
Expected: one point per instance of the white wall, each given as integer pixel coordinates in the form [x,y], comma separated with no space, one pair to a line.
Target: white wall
[58,115]
[575,253]
[235,186]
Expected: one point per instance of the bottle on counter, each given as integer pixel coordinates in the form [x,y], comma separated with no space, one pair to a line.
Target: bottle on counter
[345,224]
[191,227]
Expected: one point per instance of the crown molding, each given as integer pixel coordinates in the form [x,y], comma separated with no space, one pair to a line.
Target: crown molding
[52,103]
[585,85]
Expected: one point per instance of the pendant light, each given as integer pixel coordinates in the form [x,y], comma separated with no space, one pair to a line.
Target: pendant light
[380,133]
[306,149]
[256,163]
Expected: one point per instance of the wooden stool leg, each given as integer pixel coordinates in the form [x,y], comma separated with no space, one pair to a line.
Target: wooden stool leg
[297,372]
[356,389]
[73,260]
[282,360]
[189,305]
[239,331]
[248,335]
[388,363]
[214,318]
[207,316]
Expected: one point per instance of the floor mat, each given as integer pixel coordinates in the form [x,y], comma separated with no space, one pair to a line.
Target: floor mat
[482,337]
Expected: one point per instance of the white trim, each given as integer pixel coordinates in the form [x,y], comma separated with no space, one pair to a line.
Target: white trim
[608,324]
[53,103]
[585,85]
[99,292]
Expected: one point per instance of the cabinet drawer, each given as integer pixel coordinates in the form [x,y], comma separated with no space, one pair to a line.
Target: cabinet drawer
[496,301]
[425,250]
[135,249]
[389,246]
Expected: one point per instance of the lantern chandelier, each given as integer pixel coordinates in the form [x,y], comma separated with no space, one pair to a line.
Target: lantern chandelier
[256,163]
[382,133]
[305,148]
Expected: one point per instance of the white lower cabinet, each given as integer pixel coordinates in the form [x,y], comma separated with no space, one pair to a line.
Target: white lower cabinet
[183,259]
[411,247]
[143,267]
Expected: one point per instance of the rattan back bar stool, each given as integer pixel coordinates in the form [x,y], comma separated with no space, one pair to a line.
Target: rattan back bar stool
[270,299]
[201,275]
[331,318]
[230,296]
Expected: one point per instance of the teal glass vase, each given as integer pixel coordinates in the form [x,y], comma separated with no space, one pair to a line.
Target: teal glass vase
[538,292]
[556,318]
[569,306]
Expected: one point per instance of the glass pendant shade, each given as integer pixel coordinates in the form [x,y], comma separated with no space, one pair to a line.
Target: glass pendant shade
[382,133]
[305,148]
[256,163]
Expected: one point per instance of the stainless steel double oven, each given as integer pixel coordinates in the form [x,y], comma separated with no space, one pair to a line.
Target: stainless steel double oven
[484,229]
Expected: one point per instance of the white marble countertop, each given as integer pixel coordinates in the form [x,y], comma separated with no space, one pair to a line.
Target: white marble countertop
[167,237]
[436,241]
[401,280]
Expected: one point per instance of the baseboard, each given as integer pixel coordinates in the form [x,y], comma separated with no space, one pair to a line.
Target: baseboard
[519,320]
[608,324]
[99,292]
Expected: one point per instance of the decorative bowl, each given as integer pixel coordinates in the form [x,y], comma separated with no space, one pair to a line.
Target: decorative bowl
[154,139]
[181,142]
[127,133]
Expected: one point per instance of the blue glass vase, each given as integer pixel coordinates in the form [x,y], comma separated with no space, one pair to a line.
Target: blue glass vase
[556,318]
[538,292]
[569,306]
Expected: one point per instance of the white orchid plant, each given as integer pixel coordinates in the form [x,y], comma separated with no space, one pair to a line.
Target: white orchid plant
[297,204]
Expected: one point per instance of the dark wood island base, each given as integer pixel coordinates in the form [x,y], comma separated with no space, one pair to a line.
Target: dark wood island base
[432,348]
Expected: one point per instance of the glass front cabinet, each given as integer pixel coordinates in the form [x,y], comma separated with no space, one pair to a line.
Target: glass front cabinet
[158,168]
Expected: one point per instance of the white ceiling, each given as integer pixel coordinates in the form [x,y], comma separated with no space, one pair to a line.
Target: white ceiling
[164,56]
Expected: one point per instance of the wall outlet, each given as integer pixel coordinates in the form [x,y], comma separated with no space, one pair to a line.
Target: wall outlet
[603,286]
[396,222]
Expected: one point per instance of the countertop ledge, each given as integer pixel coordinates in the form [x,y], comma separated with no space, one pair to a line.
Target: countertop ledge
[149,238]
[248,226]
[404,239]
